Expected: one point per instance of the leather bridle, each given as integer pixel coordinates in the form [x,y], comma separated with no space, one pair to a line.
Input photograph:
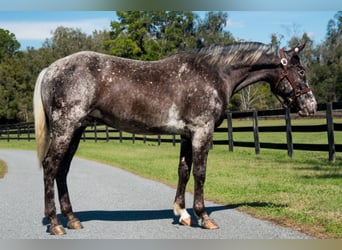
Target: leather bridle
[285,74]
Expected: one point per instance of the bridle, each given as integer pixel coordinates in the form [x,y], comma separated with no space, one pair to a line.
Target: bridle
[285,74]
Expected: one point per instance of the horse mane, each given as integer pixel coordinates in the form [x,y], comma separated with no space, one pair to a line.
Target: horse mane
[234,54]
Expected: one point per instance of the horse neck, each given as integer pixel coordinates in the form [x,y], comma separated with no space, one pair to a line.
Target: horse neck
[247,75]
[242,64]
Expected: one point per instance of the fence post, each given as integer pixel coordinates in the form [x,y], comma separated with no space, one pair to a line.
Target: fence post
[120,136]
[330,131]
[133,138]
[28,132]
[159,140]
[8,133]
[107,134]
[230,132]
[256,132]
[95,131]
[288,132]
[174,140]
[18,132]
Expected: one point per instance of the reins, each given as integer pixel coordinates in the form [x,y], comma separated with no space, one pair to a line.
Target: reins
[285,74]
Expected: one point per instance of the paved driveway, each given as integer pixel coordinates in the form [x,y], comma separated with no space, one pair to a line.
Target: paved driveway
[112,203]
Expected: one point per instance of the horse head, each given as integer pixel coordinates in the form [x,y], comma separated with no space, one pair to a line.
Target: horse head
[292,85]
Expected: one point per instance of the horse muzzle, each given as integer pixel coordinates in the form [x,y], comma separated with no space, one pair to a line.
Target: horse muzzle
[307,104]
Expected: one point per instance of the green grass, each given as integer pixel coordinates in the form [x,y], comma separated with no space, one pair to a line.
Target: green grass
[3,168]
[303,193]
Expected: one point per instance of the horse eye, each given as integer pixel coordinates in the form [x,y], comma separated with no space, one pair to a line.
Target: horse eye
[301,72]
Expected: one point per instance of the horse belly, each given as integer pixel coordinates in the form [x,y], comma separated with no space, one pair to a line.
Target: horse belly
[154,122]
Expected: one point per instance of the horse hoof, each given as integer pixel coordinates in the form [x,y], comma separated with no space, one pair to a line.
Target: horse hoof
[57,230]
[186,222]
[75,224]
[185,218]
[209,223]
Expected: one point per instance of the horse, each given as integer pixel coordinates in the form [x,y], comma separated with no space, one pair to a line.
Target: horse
[186,94]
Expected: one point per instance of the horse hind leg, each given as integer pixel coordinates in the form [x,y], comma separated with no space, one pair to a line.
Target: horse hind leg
[184,169]
[61,179]
[51,165]
[56,166]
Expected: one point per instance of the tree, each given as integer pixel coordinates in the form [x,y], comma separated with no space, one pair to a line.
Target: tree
[98,39]
[8,71]
[276,39]
[8,44]
[11,71]
[327,68]
[66,41]
[151,35]
[211,30]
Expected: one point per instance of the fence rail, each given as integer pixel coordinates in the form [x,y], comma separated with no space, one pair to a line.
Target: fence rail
[97,132]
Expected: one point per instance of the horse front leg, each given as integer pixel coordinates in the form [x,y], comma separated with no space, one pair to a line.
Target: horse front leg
[201,145]
[184,169]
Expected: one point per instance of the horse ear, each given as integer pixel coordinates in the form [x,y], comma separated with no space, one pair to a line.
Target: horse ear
[299,48]
[293,51]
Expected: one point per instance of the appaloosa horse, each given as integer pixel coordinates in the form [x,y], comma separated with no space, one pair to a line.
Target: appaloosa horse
[186,94]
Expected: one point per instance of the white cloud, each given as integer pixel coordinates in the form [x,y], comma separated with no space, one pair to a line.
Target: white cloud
[40,30]
[235,24]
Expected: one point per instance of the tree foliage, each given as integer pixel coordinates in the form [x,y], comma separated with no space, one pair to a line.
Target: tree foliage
[8,44]
[327,68]
[19,69]
[151,35]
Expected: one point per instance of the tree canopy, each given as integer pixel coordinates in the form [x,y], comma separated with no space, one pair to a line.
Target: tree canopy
[151,35]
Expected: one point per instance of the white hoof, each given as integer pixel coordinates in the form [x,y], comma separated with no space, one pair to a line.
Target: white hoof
[185,218]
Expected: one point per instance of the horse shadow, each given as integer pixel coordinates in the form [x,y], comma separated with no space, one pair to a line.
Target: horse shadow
[146,215]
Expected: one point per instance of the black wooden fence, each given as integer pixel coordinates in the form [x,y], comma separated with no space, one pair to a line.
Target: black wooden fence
[25,131]
[329,127]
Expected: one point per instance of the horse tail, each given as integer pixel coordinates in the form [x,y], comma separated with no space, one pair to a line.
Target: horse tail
[41,127]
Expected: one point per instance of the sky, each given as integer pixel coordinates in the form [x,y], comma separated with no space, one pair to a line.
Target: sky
[32,28]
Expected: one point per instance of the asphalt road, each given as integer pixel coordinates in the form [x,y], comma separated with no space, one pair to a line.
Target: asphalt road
[111,204]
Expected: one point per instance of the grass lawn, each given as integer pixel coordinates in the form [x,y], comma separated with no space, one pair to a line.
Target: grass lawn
[3,168]
[303,193]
